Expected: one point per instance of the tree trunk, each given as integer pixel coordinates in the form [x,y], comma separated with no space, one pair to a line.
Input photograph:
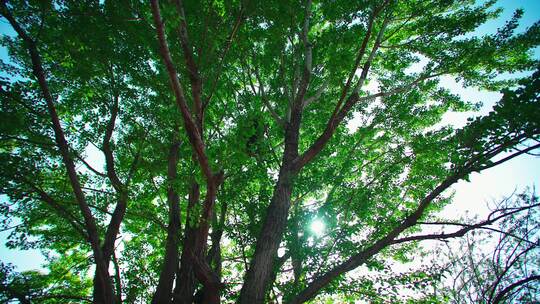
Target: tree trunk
[185,284]
[214,254]
[117,279]
[185,277]
[101,293]
[260,270]
[294,249]
[163,292]
[261,266]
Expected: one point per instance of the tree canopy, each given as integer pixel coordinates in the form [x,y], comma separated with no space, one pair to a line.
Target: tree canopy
[179,151]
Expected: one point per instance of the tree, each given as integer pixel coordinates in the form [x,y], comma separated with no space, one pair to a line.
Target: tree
[222,133]
[58,286]
[500,264]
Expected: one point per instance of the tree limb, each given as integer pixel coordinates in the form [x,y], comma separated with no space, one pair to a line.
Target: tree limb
[107,151]
[274,114]
[480,227]
[193,70]
[509,288]
[192,130]
[466,228]
[339,113]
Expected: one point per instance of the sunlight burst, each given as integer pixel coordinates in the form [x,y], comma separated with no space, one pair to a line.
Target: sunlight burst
[317,227]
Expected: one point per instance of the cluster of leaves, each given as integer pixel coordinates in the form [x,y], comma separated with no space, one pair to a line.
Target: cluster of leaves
[60,285]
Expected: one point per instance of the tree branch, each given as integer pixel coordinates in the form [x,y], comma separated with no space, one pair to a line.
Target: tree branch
[193,70]
[359,56]
[315,96]
[230,40]
[480,227]
[509,157]
[508,266]
[308,57]
[313,288]
[274,114]
[191,129]
[466,227]
[107,151]
[339,114]
[358,259]
[45,197]
[509,288]
[63,297]
[87,165]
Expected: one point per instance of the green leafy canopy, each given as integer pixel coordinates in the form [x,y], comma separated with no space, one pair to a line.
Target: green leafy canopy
[198,140]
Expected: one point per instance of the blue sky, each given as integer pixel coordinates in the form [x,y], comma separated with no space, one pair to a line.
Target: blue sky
[492,184]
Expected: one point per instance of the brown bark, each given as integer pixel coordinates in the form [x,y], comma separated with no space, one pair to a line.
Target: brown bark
[202,269]
[117,279]
[163,292]
[214,254]
[260,270]
[296,259]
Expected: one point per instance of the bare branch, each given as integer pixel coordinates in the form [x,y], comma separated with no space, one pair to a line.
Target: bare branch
[479,227]
[509,265]
[466,228]
[500,296]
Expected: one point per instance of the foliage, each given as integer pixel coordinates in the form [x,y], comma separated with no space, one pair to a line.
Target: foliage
[65,283]
[210,134]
